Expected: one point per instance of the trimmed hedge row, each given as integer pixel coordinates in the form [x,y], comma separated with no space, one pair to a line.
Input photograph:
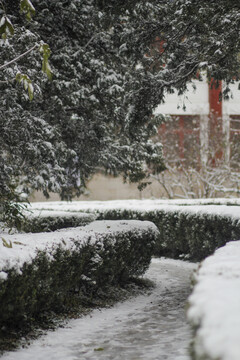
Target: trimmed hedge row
[61,278]
[45,221]
[182,233]
[213,306]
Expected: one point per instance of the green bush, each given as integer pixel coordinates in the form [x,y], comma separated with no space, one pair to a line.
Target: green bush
[182,232]
[61,279]
[45,221]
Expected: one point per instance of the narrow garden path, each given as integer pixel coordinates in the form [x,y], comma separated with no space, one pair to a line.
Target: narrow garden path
[148,327]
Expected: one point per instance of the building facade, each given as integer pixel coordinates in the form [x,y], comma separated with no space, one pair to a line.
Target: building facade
[202,129]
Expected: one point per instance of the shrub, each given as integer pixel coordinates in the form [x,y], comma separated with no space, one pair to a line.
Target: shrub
[50,221]
[79,264]
[213,307]
[183,231]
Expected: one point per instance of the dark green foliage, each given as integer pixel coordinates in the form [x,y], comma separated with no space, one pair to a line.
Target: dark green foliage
[79,122]
[45,223]
[44,287]
[108,77]
[12,213]
[182,233]
[31,149]
[71,278]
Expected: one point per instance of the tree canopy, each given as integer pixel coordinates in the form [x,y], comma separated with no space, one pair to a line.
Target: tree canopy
[112,64]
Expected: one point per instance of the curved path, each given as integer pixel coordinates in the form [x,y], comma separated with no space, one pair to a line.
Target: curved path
[148,327]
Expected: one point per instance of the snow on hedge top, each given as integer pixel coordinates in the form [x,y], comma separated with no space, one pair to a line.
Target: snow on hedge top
[57,213]
[17,249]
[114,226]
[142,206]
[136,202]
[215,305]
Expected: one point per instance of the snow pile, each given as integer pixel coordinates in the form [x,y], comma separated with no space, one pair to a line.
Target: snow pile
[215,305]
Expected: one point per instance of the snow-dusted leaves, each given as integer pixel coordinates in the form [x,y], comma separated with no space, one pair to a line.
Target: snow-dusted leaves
[27,8]
[6,27]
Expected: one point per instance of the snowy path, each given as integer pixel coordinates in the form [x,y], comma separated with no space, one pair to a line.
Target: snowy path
[147,327]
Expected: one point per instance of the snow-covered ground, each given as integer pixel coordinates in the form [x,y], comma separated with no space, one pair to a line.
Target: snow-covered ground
[215,305]
[193,206]
[151,326]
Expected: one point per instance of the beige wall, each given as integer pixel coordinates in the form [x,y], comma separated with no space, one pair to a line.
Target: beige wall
[176,183]
[109,188]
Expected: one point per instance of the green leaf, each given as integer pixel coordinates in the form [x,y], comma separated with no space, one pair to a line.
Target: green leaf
[27,8]
[45,50]
[18,77]
[27,84]
[99,349]
[6,244]
[6,27]
[19,243]
[30,91]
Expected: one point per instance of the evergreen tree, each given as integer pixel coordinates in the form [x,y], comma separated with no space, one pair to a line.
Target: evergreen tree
[77,123]
[31,150]
[112,63]
[183,39]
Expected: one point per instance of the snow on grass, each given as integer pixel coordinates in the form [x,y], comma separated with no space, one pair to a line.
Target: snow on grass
[215,305]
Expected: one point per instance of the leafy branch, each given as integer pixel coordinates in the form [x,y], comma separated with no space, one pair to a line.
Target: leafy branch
[7,29]
[27,8]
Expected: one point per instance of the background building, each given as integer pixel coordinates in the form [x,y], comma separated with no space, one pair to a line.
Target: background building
[201,144]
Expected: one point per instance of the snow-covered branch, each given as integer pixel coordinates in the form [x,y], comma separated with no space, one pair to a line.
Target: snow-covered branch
[7,64]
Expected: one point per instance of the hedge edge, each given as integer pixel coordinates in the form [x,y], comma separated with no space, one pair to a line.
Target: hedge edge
[59,279]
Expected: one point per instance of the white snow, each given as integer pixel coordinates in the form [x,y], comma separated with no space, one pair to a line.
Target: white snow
[215,305]
[57,213]
[23,247]
[2,21]
[193,206]
[113,226]
[148,327]
[17,249]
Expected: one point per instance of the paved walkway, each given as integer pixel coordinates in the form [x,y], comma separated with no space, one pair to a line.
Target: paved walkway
[149,327]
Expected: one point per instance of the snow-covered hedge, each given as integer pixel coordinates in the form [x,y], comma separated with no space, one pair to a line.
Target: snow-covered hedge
[52,272]
[194,231]
[215,306]
[44,220]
